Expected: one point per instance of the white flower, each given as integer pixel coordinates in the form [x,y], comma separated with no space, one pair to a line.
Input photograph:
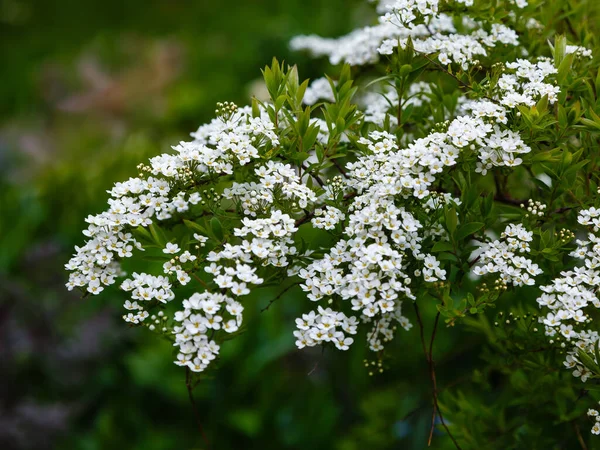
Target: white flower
[171,248]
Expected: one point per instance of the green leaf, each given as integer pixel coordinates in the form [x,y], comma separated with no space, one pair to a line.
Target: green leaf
[442,246]
[590,123]
[158,235]
[487,205]
[542,104]
[560,49]
[310,137]
[451,220]
[445,256]
[160,259]
[279,102]
[468,229]
[470,299]
[319,152]
[140,230]
[550,257]
[301,91]
[588,361]
[255,107]
[194,226]
[595,116]
[217,228]
[565,66]
[300,156]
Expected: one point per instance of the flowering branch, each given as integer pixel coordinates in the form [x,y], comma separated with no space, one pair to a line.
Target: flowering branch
[417,208]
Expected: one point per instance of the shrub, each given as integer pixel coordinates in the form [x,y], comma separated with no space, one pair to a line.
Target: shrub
[452,161]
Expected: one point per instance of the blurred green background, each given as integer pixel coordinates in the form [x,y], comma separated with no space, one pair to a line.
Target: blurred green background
[88,90]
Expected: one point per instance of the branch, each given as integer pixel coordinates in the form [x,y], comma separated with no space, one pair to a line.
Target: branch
[339,167]
[431,363]
[314,175]
[305,218]
[310,215]
[473,262]
[278,296]
[194,406]
[199,280]
[460,82]
[449,385]
[506,200]
[563,209]
[420,322]
[434,382]
[579,436]
[500,197]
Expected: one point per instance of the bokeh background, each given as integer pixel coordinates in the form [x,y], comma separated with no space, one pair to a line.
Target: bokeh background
[89,89]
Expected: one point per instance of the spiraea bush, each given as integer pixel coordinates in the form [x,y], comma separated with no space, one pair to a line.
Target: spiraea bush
[450,159]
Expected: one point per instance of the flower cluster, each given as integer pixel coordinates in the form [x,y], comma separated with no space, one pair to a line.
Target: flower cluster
[319,89]
[270,242]
[578,50]
[325,326]
[167,186]
[327,218]
[277,181]
[524,82]
[570,296]
[382,106]
[500,256]
[136,202]
[202,313]
[429,31]
[535,208]
[145,288]
[593,413]
[369,267]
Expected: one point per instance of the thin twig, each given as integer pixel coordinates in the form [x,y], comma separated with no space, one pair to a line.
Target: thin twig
[579,436]
[314,175]
[305,218]
[448,386]
[278,296]
[199,280]
[339,167]
[433,379]
[473,262]
[195,407]
[420,322]
[318,361]
[310,215]
[422,334]
[563,209]
[461,82]
[506,200]
[431,363]
[500,196]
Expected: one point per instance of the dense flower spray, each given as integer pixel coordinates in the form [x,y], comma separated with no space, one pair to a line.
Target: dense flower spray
[411,186]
